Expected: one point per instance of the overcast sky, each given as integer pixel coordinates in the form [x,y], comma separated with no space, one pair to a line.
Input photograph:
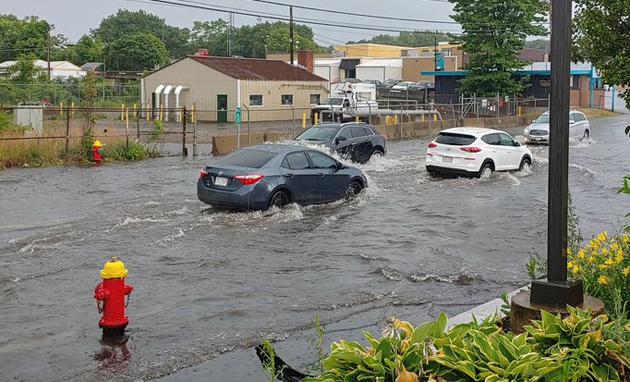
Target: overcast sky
[73,18]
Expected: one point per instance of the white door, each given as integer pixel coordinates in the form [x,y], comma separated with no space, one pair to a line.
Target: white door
[498,153]
[510,151]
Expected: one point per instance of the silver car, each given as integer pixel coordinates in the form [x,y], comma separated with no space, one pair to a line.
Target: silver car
[538,131]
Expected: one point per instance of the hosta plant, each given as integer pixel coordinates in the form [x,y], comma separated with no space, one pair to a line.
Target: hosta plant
[576,348]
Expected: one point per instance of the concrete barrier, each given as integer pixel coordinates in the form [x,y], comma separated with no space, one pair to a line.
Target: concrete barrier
[225,144]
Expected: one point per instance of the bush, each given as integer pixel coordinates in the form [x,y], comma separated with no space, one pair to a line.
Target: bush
[603,265]
[577,348]
[136,151]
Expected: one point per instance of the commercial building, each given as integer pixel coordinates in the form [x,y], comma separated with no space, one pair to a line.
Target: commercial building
[215,86]
[587,88]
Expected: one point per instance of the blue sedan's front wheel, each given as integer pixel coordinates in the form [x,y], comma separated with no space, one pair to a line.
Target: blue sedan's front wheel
[279,199]
[353,189]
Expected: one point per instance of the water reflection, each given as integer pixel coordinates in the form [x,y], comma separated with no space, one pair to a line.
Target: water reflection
[114,354]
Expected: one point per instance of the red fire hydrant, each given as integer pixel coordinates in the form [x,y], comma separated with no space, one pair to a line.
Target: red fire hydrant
[96,152]
[110,298]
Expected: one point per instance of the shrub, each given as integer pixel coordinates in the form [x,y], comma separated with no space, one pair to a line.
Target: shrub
[603,265]
[577,348]
[136,151]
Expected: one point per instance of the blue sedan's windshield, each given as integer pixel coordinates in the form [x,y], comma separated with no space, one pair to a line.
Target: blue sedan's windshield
[319,134]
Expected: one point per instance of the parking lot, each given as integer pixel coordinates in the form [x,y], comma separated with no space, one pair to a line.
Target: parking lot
[210,284]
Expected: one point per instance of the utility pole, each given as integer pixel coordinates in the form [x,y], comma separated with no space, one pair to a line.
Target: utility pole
[48,54]
[291,33]
[229,37]
[435,52]
[557,290]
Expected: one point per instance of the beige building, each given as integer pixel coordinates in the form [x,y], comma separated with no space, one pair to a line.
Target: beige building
[215,86]
[370,50]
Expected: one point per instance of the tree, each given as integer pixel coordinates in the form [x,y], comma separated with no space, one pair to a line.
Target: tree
[601,34]
[24,70]
[409,39]
[28,35]
[87,49]
[125,23]
[138,52]
[494,32]
[210,35]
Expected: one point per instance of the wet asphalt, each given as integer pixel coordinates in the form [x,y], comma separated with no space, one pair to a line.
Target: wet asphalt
[209,284]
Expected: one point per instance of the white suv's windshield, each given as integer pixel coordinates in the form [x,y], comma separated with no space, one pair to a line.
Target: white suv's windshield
[543,119]
[323,133]
[333,101]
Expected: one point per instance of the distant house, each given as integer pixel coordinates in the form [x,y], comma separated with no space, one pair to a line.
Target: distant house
[92,67]
[58,69]
[587,88]
[215,86]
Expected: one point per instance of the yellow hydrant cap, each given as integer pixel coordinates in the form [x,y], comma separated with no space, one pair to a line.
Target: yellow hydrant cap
[97,143]
[114,269]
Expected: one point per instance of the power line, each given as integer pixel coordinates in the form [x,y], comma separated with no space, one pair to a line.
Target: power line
[356,14]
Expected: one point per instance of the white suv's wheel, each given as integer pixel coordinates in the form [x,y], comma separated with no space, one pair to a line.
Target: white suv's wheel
[486,171]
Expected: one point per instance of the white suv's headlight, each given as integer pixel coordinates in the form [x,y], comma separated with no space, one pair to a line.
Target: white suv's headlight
[526,131]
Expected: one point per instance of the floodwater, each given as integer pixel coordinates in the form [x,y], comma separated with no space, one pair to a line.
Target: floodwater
[211,283]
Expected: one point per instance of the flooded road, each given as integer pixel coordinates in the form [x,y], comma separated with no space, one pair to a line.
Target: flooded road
[209,283]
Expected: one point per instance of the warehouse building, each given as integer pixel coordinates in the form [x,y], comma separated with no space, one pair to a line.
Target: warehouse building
[272,90]
[587,88]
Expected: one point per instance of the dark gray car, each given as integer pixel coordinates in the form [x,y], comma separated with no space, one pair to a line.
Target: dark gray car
[355,141]
[262,176]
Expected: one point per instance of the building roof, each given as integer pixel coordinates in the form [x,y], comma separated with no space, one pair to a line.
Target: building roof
[257,69]
[382,62]
[91,66]
[533,69]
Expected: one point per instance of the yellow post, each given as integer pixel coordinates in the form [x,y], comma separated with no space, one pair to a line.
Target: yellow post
[193,116]
[161,113]
[356,118]
[72,108]
[122,112]
[435,117]
[135,110]
[60,108]
[148,113]
[520,111]
[304,120]
[316,118]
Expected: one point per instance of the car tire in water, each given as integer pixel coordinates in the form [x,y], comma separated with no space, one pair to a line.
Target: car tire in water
[525,164]
[279,199]
[586,135]
[485,171]
[378,152]
[354,188]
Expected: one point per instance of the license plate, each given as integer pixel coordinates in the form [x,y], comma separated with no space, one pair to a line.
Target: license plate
[537,138]
[219,181]
[447,159]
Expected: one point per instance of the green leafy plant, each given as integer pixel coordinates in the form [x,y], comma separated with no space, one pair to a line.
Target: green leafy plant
[158,130]
[603,265]
[317,343]
[554,349]
[591,349]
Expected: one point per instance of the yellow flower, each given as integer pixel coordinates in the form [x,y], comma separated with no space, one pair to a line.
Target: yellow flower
[570,251]
[602,280]
[626,271]
[570,264]
[602,237]
[581,254]
[590,260]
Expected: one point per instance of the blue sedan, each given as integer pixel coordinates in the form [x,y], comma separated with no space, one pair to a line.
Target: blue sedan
[264,176]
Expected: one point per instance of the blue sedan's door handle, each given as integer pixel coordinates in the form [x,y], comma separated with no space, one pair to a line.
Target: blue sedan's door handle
[288,175]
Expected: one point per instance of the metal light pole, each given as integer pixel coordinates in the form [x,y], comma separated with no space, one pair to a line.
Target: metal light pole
[557,290]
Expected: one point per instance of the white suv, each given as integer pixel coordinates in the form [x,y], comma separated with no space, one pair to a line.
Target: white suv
[475,151]
[538,131]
